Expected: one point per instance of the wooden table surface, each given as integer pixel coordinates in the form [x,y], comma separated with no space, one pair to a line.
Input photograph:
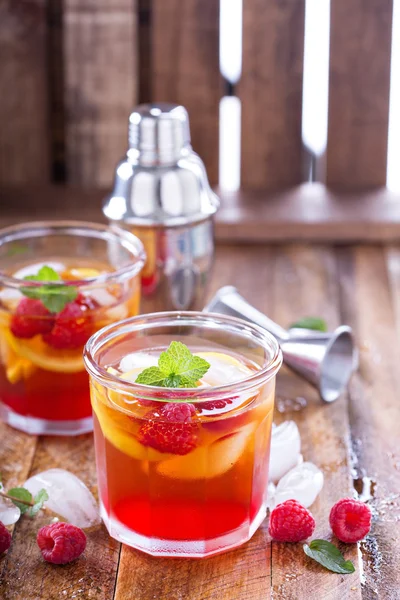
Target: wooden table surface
[355,437]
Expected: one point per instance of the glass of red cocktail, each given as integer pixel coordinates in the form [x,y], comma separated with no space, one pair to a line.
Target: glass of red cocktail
[59,283]
[182,471]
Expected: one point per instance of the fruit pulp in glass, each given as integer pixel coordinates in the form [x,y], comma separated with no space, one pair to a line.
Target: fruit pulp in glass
[42,373]
[183,481]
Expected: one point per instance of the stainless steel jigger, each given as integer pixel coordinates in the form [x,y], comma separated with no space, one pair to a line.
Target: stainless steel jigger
[326,360]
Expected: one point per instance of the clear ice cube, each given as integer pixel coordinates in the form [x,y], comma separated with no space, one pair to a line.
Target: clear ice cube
[68,496]
[285,450]
[9,513]
[303,483]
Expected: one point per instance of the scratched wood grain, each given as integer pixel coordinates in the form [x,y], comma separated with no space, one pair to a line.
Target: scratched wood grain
[100,53]
[25,575]
[305,283]
[370,303]
[24,144]
[359,78]
[270,90]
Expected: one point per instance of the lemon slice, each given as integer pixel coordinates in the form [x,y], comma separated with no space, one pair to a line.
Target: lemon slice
[80,273]
[41,355]
[224,369]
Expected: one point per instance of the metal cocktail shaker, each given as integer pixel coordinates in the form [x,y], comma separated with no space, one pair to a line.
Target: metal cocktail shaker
[161,194]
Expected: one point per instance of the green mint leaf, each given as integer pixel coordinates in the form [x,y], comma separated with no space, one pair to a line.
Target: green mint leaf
[151,376]
[54,297]
[22,494]
[314,323]
[39,500]
[45,273]
[177,367]
[174,358]
[329,556]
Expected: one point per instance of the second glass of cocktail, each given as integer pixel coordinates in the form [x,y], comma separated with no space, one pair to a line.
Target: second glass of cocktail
[183,406]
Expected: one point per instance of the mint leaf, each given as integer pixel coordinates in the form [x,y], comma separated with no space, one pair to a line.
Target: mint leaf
[329,556]
[314,323]
[151,376]
[20,493]
[177,367]
[38,500]
[54,297]
[45,273]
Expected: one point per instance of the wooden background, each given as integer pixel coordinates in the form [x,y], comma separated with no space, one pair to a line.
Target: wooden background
[72,70]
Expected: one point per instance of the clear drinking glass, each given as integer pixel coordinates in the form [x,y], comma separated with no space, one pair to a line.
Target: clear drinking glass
[43,384]
[188,486]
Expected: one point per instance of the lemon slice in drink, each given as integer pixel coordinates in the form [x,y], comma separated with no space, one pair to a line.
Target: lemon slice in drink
[41,355]
[224,369]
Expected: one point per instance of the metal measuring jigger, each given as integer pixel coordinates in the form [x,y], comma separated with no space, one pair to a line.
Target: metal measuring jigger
[161,194]
[326,360]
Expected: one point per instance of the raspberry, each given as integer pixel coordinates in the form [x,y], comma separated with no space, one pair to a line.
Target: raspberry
[31,318]
[212,404]
[5,538]
[350,520]
[72,328]
[291,522]
[176,434]
[61,543]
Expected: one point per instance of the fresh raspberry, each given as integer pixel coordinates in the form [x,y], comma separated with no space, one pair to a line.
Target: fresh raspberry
[350,520]
[61,543]
[214,404]
[291,522]
[5,538]
[31,318]
[176,434]
[72,328]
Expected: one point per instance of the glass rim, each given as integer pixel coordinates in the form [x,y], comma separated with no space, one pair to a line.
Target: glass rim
[126,239]
[192,318]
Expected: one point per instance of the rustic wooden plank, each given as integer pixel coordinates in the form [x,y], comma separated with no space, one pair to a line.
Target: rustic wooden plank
[367,304]
[305,283]
[25,574]
[309,213]
[24,151]
[271,93]
[185,68]
[100,40]
[359,93]
[243,574]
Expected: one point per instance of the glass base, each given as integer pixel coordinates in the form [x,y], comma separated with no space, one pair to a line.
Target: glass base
[35,426]
[181,548]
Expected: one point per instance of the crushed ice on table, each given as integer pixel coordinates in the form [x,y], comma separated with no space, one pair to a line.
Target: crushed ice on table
[285,450]
[303,483]
[137,359]
[9,513]
[68,496]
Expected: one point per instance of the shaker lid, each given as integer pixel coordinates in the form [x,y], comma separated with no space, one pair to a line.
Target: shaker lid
[162,181]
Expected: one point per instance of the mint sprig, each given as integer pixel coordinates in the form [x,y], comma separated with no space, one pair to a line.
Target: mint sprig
[54,297]
[23,499]
[329,556]
[177,368]
[315,323]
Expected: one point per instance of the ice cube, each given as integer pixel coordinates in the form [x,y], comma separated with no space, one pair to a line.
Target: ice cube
[68,496]
[224,369]
[285,450]
[103,297]
[303,483]
[34,268]
[9,513]
[137,359]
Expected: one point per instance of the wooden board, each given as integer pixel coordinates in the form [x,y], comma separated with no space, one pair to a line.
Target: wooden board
[271,93]
[359,93]
[100,53]
[185,68]
[24,139]
[368,299]
[287,282]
